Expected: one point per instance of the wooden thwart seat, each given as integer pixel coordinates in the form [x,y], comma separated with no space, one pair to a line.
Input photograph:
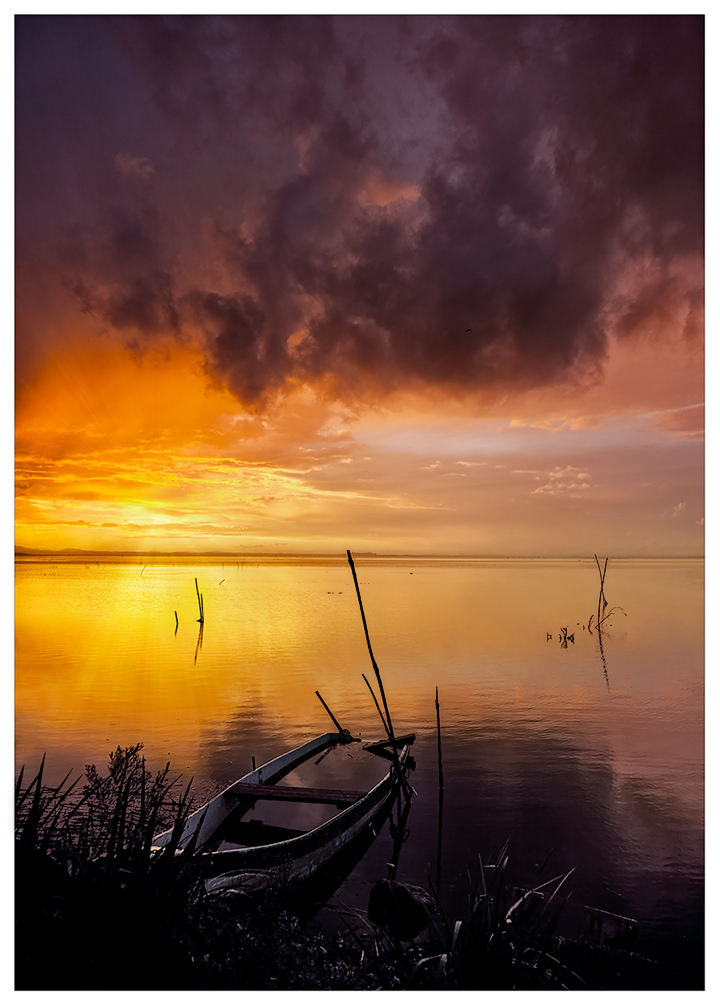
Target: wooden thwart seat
[297,794]
[377,746]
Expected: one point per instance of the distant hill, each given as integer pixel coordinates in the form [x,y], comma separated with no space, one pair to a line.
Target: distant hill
[22,550]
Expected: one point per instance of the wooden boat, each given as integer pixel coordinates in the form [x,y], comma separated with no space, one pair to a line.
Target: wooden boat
[274,856]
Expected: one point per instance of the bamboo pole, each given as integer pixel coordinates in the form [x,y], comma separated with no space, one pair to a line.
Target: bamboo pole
[390,731]
[389,727]
[377,705]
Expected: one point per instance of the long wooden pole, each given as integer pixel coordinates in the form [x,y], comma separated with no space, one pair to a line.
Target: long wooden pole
[441,794]
[390,731]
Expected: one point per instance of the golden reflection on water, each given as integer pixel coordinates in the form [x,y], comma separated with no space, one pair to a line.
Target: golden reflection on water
[595,755]
[99,661]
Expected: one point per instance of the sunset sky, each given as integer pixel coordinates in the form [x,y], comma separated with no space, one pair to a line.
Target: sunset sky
[424,285]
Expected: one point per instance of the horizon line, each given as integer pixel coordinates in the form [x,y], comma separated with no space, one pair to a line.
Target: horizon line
[21,551]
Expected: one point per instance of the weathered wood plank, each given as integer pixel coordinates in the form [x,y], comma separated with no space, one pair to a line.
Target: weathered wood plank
[400,741]
[298,794]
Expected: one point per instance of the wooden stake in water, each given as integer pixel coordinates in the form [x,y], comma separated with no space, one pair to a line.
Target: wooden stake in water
[200,603]
[329,712]
[441,782]
[377,705]
[441,796]
[389,727]
[602,601]
[390,732]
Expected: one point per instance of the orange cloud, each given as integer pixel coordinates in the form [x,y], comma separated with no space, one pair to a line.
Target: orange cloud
[120,452]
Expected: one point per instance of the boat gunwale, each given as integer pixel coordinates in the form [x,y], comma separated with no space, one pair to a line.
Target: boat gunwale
[222,863]
[264,775]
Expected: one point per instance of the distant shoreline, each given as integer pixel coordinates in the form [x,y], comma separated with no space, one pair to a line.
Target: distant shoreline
[29,553]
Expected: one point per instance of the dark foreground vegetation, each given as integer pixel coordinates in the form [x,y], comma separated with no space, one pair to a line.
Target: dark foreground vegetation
[97,909]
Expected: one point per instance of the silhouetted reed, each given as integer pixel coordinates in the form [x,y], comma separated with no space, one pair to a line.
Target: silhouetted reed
[96,907]
[506,941]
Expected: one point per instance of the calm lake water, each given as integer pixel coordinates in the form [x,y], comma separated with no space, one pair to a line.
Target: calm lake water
[590,756]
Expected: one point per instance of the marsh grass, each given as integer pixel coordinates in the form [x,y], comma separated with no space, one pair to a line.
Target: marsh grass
[506,940]
[97,908]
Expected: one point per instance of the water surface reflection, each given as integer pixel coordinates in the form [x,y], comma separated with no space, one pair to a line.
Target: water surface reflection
[587,750]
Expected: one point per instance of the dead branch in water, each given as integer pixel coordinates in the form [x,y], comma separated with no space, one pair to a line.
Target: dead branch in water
[602,600]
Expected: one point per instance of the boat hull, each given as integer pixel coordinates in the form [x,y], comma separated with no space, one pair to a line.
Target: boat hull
[203,823]
[292,861]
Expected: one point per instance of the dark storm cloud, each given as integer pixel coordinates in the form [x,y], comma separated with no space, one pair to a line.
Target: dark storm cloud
[125,259]
[463,202]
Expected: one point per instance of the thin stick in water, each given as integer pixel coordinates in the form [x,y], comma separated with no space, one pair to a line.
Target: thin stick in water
[390,731]
[389,727]
[329,712]
[441,782]
[441,797]
[602,599]
[377,705]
